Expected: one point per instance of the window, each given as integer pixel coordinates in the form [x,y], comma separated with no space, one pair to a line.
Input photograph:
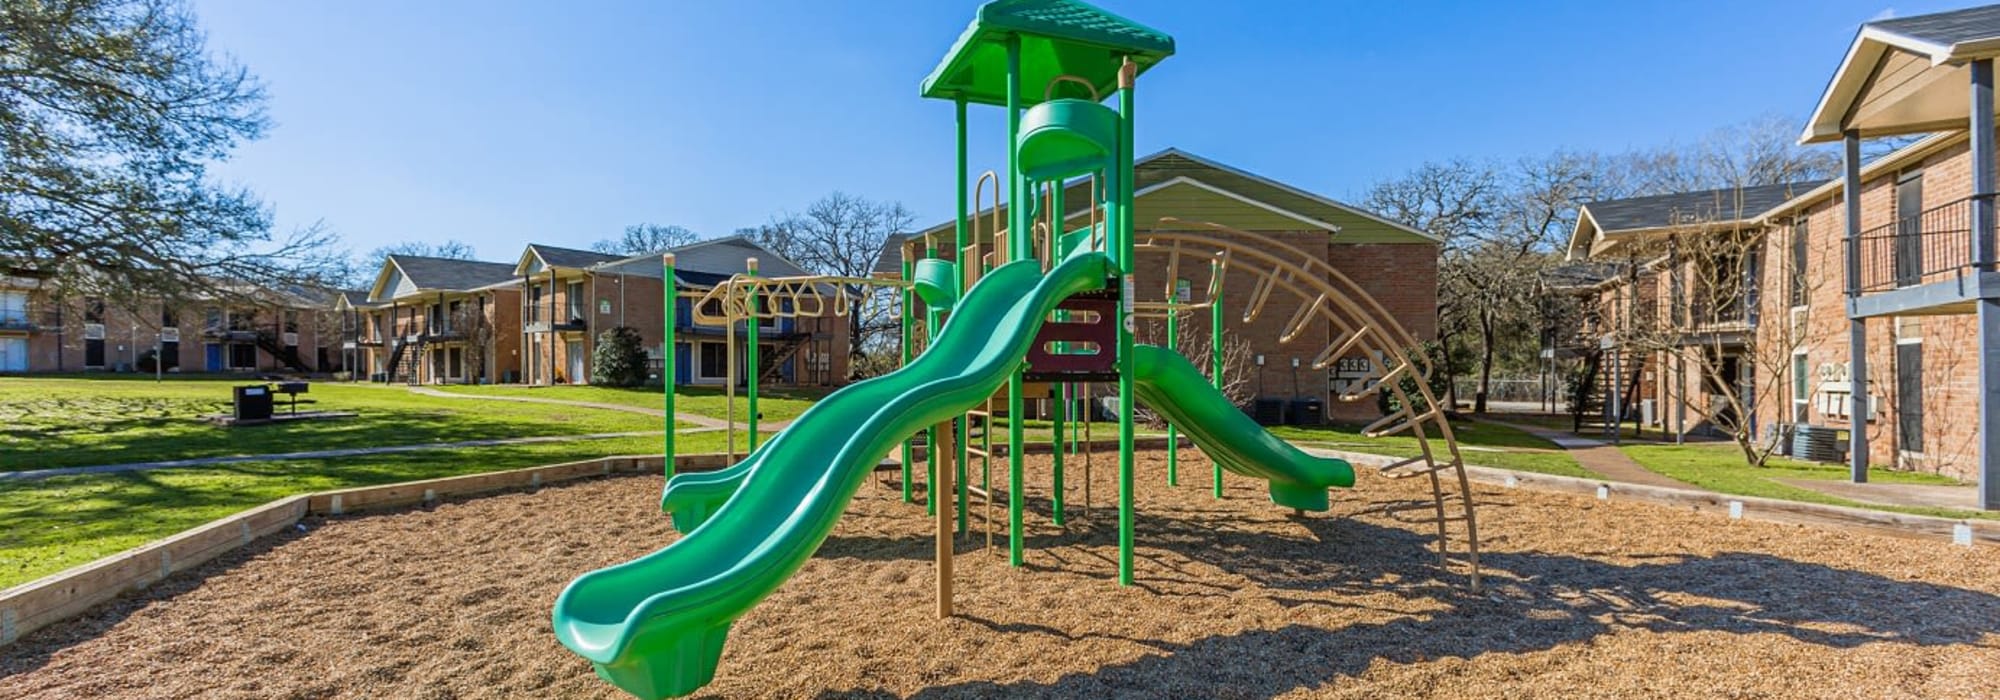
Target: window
[435,323]
[535,303]
[1801,389]
[714,362]
[13,308]
[13,354]
[451,318]
[1800,254]
[168,319]
[575,300]
[212,318]
[291,321]
[93,310]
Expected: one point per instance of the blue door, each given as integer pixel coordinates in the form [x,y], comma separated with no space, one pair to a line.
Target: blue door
[214,363]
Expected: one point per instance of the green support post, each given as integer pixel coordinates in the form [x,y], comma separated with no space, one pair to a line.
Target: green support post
[1215,342]
[908,320]
[1122,243]
[1018,247]
[1173,434]
[667,360]
[750,355]
[930,432]
[962,233]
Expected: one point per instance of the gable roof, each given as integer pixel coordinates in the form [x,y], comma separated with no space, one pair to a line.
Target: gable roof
[1173,168]
[427,274]
[1598,222]
[554,256]
[1905,75]
[707,262]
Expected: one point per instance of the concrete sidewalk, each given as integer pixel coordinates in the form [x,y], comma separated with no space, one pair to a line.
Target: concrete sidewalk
[1601,457]
[695,418]
[33,474]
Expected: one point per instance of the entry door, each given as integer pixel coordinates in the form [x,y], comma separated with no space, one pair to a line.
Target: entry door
[575,348]
[1910,396]
[213,359]
[1909,230]
[13,354]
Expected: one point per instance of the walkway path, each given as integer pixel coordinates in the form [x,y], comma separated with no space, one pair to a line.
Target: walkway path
[33,474]
[682,416]
[1919,495]
[1601,457]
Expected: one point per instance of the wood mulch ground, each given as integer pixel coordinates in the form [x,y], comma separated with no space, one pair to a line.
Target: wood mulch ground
[1237,599]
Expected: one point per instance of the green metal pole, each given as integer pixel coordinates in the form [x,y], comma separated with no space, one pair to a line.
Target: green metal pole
[1173,434]
[1018,247]
[1122,240]
[1215,343]
[909,319]
[750,358]
[1056,455]
[667,368]
[930,432]
[962,233]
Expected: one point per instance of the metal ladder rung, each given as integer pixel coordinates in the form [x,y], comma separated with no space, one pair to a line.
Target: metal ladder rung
[1376,430]
[976,451]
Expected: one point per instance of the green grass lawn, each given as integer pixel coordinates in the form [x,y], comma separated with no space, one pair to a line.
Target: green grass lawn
[1720,467]
[52,524]
[63,422]
[775,404]
[1491,445]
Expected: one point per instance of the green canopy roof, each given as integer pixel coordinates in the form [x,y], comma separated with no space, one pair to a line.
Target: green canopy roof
[1058,37]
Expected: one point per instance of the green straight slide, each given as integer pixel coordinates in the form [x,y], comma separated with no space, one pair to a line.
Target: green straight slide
[1166,382]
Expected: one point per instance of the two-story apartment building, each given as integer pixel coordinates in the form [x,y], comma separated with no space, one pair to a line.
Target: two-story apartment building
[43,328]
[574,295]
[438,320]
[1874,296]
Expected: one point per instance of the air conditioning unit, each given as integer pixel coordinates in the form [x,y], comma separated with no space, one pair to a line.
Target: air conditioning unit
[170,335]
[93,331]
[291,339]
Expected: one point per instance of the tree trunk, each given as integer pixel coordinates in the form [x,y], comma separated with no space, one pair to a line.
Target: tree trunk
[1485,363]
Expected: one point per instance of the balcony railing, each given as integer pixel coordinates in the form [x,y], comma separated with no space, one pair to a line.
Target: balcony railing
[1932,246]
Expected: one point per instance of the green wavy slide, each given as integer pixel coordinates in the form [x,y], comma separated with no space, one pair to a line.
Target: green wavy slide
[655,626]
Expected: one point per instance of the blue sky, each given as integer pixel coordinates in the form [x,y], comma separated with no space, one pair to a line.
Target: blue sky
[504,123]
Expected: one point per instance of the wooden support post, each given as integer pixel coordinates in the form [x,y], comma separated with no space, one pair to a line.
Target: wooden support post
[942,496]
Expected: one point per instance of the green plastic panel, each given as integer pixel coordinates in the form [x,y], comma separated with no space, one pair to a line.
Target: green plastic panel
[1058,37]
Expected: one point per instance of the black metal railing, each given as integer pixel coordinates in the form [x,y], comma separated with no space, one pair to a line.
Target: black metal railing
[1930,246]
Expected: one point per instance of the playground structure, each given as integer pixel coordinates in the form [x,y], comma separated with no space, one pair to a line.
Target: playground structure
[1031,306]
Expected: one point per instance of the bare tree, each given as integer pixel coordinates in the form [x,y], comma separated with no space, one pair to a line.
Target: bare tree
[642,239]
[111,112]
[1760,151]
[1713,323]
[842,235]
[471,323]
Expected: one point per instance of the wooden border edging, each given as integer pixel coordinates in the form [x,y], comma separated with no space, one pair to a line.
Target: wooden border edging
[53,598]
[1876,522]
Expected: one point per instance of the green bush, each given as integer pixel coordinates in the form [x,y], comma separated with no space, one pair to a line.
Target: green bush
[620,359]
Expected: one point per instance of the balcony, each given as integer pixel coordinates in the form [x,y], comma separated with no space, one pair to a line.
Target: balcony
[574,323]
[1923,264]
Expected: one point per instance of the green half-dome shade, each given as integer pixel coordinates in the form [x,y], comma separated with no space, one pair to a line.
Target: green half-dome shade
[1066,137]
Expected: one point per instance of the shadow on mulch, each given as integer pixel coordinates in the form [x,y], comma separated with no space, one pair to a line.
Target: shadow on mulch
[1532,602]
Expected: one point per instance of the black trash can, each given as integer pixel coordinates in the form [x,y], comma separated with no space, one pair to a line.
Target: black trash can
[1268,411]
[1307,412]
[253,402]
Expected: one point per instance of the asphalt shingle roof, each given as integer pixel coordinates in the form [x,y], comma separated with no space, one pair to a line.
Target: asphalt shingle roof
[450,274]
[1946,28]
[570,257]
[1729,204]
[712,260]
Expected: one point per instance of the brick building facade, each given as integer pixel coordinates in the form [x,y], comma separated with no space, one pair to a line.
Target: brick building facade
[44,329]
[1175,191]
